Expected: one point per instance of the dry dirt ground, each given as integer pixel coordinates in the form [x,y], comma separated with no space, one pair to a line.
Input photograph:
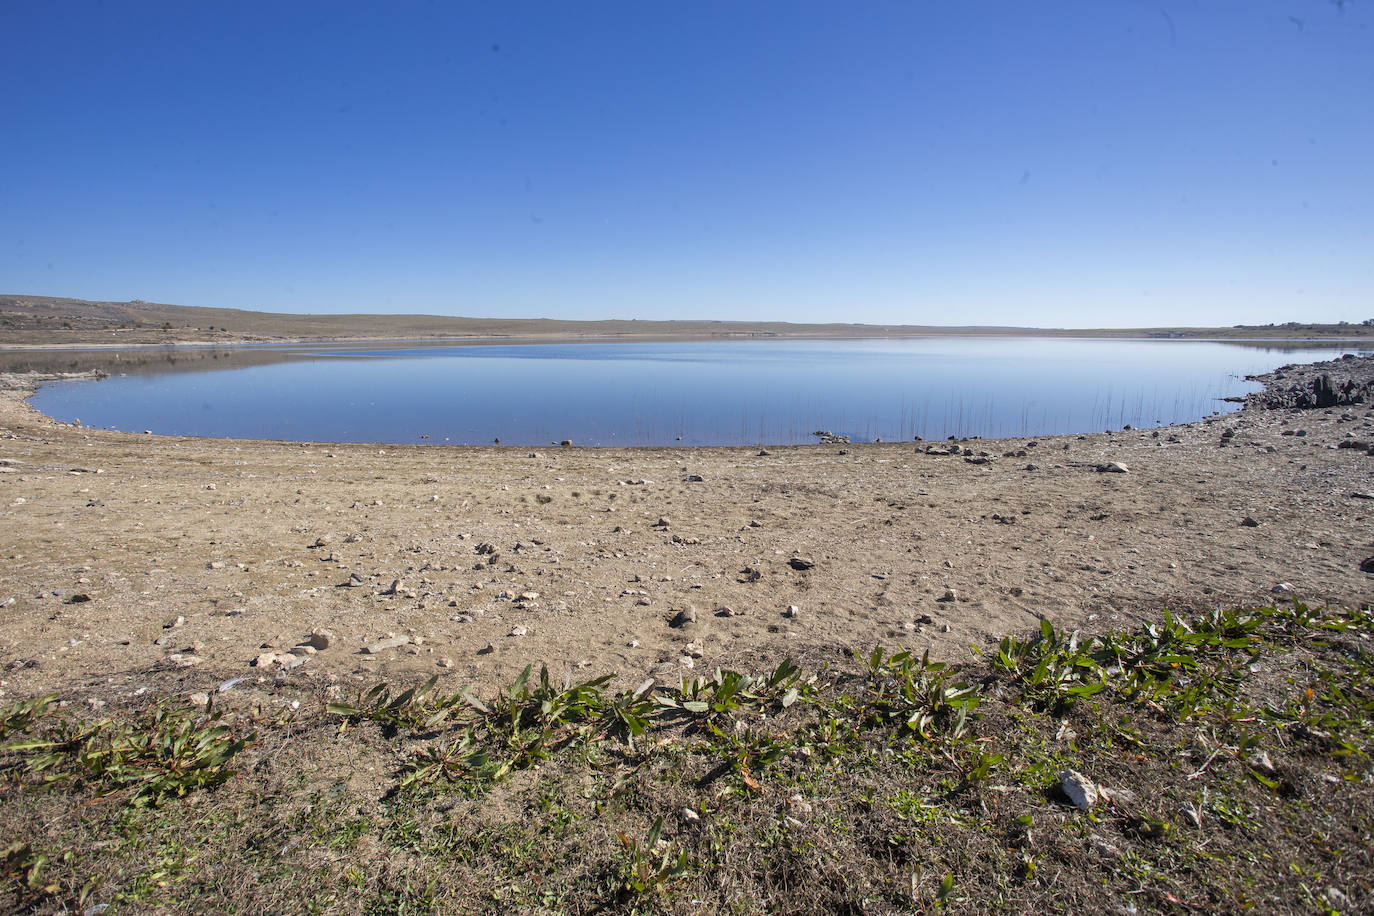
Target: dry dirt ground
[133,564]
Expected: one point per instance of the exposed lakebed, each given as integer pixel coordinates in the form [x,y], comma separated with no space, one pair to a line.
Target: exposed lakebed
[663,393]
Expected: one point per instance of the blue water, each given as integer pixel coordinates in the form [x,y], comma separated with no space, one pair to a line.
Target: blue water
[695,393]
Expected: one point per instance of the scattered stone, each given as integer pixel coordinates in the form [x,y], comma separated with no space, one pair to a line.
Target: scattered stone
[1081,790]
[662,522]
[518,630]
[446,662]
[79,598]
[215,564]
[319,640]
[949,595]
[750,574]
[685,617]
[792,611]
[763,453]
[1283,588]
[230,684]
[1113,467]
[199,698]
[322,541]
[1367,565]
[694,649]
[303,649]
[694,478]
[566,443]
[172,625]
[801,563]
[1260,761]
[1249,522]
[382,645]
[354,581]
[690,817]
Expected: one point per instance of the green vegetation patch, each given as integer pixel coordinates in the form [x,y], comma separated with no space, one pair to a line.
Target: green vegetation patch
[1218,763]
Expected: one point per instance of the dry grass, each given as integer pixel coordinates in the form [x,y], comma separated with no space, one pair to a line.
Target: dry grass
[1234,749]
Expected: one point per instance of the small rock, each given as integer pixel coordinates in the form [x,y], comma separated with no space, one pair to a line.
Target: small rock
[792,611]
[1260,761]
[685,617]
[320,640]
[199,698]
[1080,790]
[1339,900]
[1112,467]
[518,630]
[354,581]
[949,595]
[446,662]
[382,645]
[322,541]
[1249,522]
[265,660]
[303,649]
[1283,588]
[690,817]
[694,478]
[801,563]
[1367,565]
[662,522]
[216,564]
[693,650]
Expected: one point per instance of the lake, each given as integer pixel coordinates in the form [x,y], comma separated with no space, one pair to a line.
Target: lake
[737,392]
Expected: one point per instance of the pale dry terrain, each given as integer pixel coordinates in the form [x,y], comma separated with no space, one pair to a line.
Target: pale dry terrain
[146,563]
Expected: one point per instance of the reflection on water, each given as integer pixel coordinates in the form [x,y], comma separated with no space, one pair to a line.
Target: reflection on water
[693,393]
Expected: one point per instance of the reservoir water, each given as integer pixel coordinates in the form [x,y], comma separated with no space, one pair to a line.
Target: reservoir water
[738,392]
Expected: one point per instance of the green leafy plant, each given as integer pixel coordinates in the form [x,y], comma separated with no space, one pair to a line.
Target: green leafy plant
[651,865]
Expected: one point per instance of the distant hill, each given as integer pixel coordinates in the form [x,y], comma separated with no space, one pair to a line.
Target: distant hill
[52,321]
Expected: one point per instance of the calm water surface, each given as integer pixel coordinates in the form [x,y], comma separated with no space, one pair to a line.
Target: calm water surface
[695,393]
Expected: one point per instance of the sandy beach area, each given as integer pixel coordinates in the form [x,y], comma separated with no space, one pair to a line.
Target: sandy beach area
[143,563]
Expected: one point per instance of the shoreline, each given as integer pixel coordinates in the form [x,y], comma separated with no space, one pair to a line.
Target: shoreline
[174,564]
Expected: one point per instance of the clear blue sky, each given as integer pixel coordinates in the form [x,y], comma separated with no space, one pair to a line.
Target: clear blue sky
[1089,163]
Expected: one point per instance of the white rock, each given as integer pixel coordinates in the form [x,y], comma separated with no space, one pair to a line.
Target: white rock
[519,630]
[1081,790]
[382,645]
[690,817]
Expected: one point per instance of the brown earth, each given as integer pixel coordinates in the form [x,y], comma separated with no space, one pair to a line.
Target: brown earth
[160,564]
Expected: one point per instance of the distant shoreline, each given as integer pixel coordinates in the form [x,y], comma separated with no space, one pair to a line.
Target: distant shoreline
[44,322]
